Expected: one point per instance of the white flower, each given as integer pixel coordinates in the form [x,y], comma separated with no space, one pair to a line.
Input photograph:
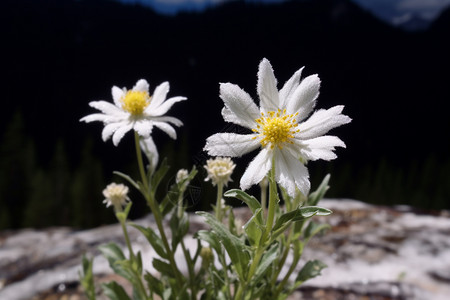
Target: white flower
[116,195]
[182,175]
[219,170]
[280,129]
[136,109]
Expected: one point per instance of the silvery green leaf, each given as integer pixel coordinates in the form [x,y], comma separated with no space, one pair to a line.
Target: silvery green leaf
[114,291]
[310,270]
[234,246]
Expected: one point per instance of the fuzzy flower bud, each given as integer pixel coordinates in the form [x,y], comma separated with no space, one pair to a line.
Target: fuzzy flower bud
[219,170]
[116,195]
[182,174]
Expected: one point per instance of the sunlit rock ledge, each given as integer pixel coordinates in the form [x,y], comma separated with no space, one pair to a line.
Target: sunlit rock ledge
[371,251]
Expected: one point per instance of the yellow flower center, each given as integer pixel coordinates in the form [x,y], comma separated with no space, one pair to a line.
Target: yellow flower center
[276,128]
[135,102]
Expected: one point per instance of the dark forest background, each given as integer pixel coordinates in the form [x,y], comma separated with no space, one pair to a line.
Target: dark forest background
[59,55]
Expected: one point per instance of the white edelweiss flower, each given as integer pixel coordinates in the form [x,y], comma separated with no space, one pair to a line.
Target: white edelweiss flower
[136,109]
[219,170]
[280,129]
[116,195]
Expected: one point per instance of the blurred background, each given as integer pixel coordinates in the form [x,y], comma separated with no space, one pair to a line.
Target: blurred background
[387,61]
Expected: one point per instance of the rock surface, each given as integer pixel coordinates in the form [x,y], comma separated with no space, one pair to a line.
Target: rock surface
[372,252]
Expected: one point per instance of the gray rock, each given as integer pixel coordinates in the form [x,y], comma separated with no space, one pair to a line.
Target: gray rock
[371,252]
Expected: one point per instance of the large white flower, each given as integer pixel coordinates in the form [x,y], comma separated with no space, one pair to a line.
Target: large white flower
[136,109]
[279,129]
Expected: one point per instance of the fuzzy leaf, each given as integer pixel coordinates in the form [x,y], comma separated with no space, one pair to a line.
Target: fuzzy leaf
[163,267]
[266,261]
[211,238]
[310,270]
[114,291]
[235,247]
[254,228]
[153,239]
[179,229]
[154,284]
[299,214]
[251,201]
[314,228]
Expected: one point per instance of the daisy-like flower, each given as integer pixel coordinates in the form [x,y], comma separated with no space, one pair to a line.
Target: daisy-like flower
[136,109]
[219,170]
[116,195]
[279,129]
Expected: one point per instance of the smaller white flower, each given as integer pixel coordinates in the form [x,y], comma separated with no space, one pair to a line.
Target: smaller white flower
[116,195]
[182,174]
[136,109]
[219,170]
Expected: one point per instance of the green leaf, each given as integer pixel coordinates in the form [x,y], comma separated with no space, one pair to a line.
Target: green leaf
[114,291]
[234,246]
[112,252]
[211,238]
[179,228]
[318,194]
[127,178]
[314,228]
[251,201]
[153,239]
[299,214]
[154,284]
[87,278]
[159,175]
[266,261]
[117,260]
[254,229]
[163,267]
[310,270]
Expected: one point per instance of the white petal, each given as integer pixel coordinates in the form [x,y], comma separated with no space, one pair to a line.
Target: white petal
[160,94]
[143,127]
[290,173]
[109,129]
[149,148]
[120,132]
[303,99]
[141,86]
[289,87]
[321,122]
[164,107]
[231,144]
[257,169]
[168,119]
[321,147]
[240,108]
[96,117]
[117,94]
[166,128]
[267,87]
[106,108]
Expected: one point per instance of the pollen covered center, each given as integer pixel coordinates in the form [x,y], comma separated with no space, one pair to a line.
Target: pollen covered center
[135,102]
[276,128]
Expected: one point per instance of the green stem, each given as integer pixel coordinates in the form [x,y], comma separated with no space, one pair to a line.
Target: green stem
[263,187]
[219,202]
[262,243]
[156,212]
[286,277]
[191,272]
[127,239]
[283,258]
